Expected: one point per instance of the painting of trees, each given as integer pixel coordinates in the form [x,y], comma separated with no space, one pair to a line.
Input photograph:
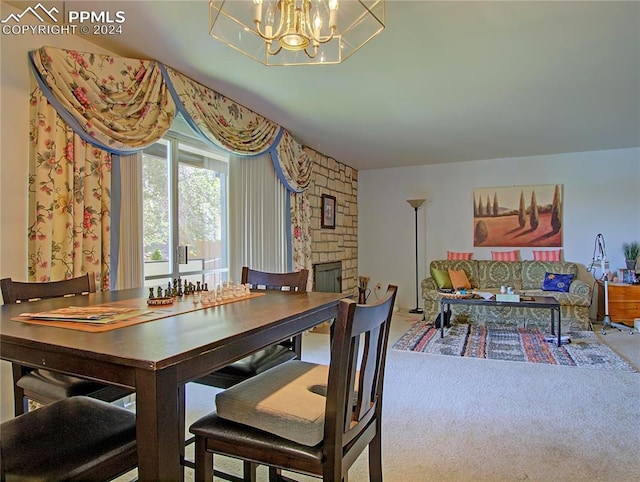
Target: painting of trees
[556,211]
[534,218]
[522,211]
[502,217]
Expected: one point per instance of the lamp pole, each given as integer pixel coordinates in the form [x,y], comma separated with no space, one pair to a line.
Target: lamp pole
[415,204]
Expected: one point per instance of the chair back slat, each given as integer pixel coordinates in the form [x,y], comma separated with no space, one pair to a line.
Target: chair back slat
[368,375]
[261,280]
[17,291]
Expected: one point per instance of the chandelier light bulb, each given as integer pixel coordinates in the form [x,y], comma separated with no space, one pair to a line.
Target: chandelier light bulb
[258,11]
[317,24]
[333,8]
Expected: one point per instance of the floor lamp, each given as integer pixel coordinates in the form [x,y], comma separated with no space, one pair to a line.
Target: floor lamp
[415,204]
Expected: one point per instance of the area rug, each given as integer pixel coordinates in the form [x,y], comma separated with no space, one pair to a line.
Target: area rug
[512,344]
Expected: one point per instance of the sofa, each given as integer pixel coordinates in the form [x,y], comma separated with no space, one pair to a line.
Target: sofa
[526,278]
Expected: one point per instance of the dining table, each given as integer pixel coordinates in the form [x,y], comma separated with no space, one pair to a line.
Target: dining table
[156,358]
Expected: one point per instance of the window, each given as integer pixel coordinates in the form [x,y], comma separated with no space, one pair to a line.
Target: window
[184,210]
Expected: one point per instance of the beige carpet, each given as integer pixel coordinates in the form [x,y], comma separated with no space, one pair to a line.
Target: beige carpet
[451,419]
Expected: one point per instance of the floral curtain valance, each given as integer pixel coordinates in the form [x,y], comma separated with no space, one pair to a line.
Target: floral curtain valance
[240,130]
[292,164]
[122,104]
[219,119]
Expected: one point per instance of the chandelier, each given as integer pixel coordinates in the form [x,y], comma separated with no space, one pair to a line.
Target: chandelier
[296,32]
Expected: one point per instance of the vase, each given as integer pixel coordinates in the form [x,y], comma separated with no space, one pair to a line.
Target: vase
[363,294]
[631,264]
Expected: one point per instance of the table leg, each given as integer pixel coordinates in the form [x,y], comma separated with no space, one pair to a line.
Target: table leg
[158,426]
[559,328]
[441,318]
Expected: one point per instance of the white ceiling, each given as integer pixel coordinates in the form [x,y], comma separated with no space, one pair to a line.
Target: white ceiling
[445,81]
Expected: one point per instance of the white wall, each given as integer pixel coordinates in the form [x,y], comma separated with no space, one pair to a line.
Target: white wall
[601,192]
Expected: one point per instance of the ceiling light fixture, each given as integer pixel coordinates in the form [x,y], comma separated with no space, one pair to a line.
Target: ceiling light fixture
[296,32]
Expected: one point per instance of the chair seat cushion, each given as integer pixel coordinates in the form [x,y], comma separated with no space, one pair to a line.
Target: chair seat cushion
[260,361]
[232,438]
[45,386]
[61,440]
[248,367]
[287,401]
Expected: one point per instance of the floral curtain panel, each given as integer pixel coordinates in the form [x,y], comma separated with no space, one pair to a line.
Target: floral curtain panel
[294,168]
[301,227]
[70,195]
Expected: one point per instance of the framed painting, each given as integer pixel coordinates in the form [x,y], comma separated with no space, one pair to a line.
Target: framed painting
[328,211]
[518,216]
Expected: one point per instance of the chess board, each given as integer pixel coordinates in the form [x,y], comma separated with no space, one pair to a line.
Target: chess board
[139,313]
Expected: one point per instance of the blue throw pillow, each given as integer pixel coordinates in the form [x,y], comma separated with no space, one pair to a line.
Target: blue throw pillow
[557,282]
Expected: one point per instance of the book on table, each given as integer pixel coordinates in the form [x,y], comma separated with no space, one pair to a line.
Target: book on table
[86,314]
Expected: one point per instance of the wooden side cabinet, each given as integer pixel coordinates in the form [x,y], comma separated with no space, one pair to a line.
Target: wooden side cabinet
[624,302]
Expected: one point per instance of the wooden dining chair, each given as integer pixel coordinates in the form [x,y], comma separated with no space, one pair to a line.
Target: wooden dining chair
[74,439]
[304,417]
[45,386]
[270,356]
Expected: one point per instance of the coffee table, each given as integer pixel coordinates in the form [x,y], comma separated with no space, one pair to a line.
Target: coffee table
[547,302]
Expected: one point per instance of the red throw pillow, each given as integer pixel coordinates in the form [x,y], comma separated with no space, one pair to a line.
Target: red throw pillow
[505,255]
[458,256]
[551,255]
